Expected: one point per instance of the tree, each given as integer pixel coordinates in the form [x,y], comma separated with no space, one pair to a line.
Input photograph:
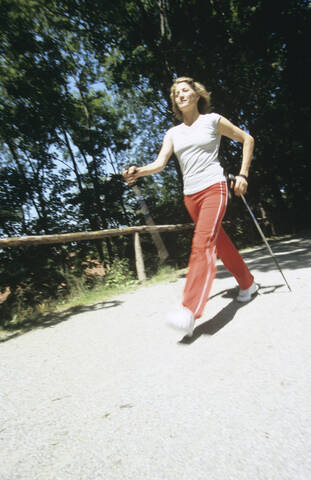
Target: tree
[247,53]
[84,90]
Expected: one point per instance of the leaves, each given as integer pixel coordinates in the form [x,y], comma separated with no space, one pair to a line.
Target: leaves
[84,91]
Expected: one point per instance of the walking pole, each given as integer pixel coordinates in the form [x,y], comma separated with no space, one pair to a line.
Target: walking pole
[156,237]
[232,178]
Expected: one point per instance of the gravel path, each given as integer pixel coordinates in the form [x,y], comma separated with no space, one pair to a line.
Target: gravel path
[112,393]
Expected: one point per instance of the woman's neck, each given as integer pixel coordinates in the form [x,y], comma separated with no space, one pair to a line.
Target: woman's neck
[190,117]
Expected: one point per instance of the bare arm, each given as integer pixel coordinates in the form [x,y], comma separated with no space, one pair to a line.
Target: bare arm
[132,173]
[228,129]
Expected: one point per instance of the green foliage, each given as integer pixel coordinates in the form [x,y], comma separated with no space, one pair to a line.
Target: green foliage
[119,273]
[84,90]
[47,276]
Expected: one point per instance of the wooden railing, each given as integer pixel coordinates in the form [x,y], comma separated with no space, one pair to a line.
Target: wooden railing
[95,235]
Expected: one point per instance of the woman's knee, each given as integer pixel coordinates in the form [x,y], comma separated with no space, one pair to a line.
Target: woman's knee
[203,241]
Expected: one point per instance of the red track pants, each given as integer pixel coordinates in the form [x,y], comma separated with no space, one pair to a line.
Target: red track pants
[207,209]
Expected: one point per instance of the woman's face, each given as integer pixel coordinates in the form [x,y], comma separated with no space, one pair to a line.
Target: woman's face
[185,96]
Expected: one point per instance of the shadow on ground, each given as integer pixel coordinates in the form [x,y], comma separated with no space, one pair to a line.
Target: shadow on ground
[54,318]
[219,321]
[291,253]
[226,314]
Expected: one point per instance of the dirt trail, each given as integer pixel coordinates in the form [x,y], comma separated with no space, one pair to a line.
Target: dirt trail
[112,393]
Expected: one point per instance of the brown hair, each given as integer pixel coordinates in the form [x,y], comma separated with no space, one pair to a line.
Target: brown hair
[204,103]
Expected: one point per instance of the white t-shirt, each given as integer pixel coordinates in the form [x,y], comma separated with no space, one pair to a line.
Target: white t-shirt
[196,148]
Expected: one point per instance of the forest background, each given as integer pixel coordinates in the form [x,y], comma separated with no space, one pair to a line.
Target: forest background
[84,91]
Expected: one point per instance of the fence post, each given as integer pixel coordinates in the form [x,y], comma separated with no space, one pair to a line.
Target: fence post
[139,259]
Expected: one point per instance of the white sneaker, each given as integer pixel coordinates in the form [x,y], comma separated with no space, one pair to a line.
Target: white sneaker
[182,319]
[246,295]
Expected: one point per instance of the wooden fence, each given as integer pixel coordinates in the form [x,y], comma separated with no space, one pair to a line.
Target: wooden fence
[95,235]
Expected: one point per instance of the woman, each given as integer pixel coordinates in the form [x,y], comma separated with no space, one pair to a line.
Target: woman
[196,144]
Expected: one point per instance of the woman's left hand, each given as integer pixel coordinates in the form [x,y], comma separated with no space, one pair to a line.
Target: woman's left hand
[240,185]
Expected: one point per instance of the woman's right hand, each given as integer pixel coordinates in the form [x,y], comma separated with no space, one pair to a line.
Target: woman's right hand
[130,175]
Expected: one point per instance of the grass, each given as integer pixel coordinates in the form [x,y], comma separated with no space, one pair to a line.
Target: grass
[99,294]
[27,318]
[46,314]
